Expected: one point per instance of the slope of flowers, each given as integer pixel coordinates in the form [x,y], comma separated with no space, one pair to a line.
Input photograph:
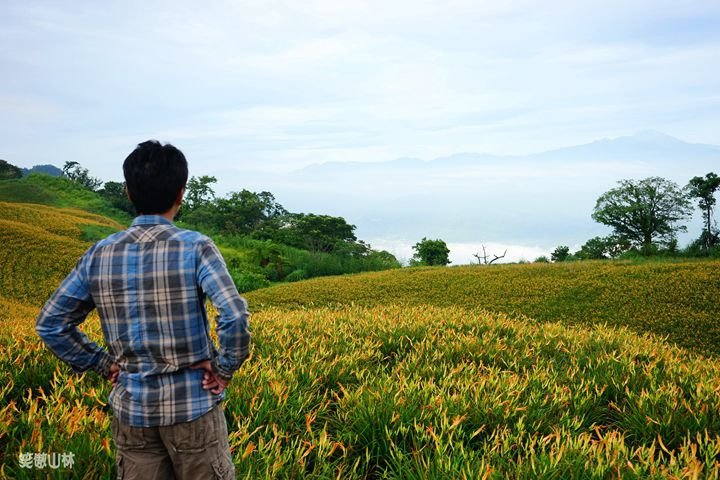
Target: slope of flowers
[678,300]
[405,392]
[39,245]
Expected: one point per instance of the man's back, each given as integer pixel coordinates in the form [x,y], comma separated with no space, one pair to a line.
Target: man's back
[149,284]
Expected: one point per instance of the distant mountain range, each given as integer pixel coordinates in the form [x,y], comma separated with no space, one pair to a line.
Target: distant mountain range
[647,145]
[541,199]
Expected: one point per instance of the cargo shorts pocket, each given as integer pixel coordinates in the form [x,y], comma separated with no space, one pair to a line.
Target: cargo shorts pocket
[195,436]
[127,437]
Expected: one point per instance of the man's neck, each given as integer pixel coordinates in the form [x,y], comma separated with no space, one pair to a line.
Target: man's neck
[170,214]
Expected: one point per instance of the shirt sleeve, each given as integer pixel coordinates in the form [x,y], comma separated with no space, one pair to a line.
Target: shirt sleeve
[57,324]
[233,319]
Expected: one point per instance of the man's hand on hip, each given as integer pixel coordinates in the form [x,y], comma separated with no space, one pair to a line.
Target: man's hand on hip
[211,381]
[114,372]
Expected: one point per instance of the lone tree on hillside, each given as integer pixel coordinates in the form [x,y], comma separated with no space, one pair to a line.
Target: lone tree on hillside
[644,210]
[431,252]
[704,188]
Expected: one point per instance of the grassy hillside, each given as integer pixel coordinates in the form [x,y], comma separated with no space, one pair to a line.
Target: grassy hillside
[39,245]
[58,192]
[410,373]
[676,299]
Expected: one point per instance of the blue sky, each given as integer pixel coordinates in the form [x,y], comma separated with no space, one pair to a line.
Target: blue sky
[276,85]
[268,86]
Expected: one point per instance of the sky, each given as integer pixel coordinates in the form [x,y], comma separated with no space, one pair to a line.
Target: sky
[271,87]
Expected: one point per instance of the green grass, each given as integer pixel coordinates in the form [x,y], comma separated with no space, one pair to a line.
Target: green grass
[58,192]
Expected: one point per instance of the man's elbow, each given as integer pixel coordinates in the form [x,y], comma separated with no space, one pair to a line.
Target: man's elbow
[41,327]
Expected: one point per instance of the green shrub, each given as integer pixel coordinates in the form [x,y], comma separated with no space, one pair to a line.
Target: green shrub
[296,275]
[247,281]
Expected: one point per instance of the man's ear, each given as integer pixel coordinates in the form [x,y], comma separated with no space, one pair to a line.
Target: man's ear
[127,192]
[179,198]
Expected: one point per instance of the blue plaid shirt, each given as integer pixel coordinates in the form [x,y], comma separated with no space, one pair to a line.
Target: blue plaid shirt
[149,285]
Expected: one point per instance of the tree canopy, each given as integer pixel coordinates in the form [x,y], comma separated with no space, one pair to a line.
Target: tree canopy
[199,192]
[115,193]
[431,252]
[704,188]
[8,171]
[644,211]
[80,175]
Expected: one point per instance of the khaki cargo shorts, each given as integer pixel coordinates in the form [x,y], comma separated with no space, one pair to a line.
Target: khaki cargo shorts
[184,451]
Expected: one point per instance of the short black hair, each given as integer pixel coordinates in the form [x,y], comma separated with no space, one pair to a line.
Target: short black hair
[154,176]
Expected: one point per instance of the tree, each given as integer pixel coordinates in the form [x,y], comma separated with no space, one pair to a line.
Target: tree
[704,188]
[115,193]
[319,233]
[560,254]
[431,252]
[603,247]
[483,259]
[199,192]
[8,171]
[643,211]
[75,172]
[239,213]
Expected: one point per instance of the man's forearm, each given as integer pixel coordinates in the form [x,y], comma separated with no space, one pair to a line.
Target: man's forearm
[72,346]
[234,338]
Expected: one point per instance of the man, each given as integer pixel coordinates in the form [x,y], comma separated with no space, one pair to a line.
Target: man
[149,285]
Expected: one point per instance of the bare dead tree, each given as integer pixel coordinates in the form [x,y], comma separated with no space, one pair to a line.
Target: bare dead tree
[483,259]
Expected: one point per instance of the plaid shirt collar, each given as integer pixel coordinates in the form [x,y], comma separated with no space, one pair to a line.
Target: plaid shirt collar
[150,220]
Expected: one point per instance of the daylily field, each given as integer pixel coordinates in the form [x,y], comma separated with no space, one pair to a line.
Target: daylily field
[584,370]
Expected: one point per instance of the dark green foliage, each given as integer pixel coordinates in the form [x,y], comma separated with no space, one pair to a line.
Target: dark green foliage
[431,252]
[198,193]
[8,171]
[80,175]
[246,281]
[279,262]
[240,213]
[318,233]
[644,211]
[560,254]
[232,222]
[541,259]
[593,249]
[704,188]
[598,248]
[279,243]
[296,275]
[114,192]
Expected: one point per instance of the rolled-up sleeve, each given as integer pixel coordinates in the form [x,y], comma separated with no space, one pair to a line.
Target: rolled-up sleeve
[57,324]
[233,319]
